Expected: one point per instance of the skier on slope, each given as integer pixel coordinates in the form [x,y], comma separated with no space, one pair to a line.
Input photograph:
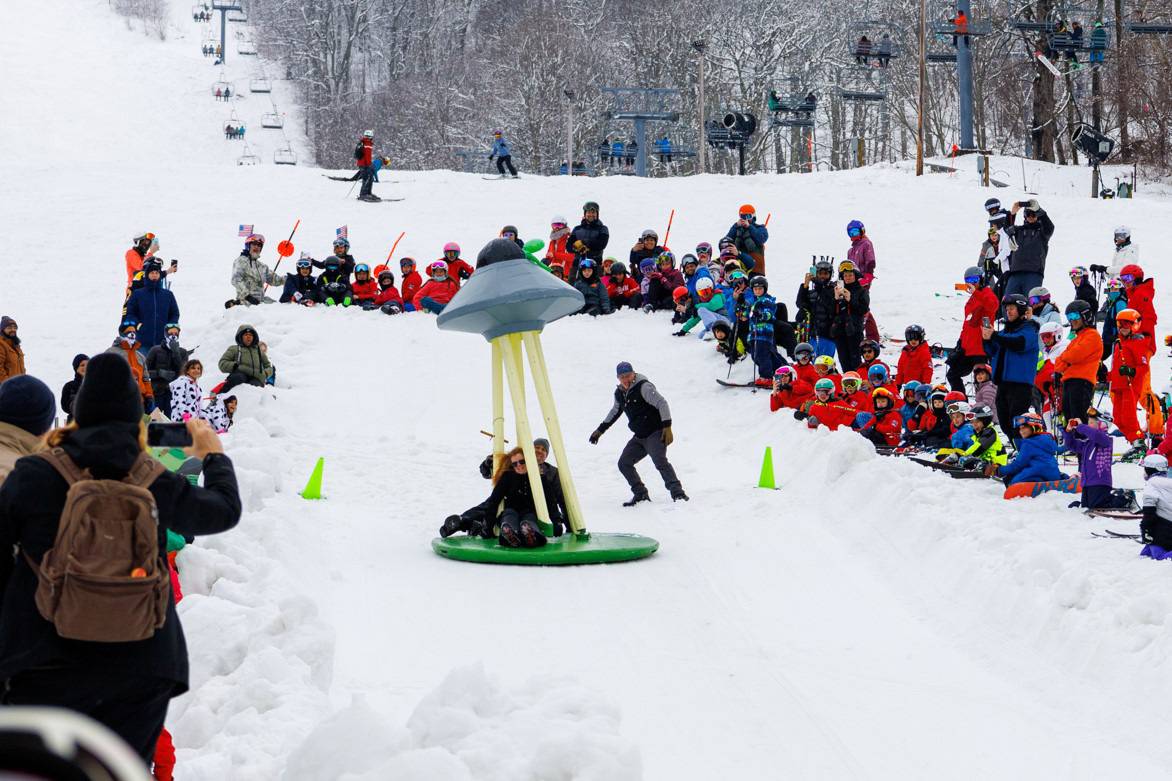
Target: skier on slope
[364,161]
[341,250]
[649,419]
[503,155]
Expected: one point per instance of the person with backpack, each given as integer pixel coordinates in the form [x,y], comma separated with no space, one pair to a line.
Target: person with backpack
[364,162]
[246,362]
[107,641]
[27,409]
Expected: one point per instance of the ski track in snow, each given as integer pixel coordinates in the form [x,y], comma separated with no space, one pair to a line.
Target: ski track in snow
[869,620]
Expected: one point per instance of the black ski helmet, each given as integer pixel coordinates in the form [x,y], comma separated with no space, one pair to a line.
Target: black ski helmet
[804,347]
[914,331]
[973,271]
[759,281]
[991,204]
[1017,300]
[1082,311]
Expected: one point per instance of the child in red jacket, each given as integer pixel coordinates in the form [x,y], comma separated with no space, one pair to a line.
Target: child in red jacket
[364,289]
[824,409]
[915,359]
[557,254]
[824,368]
[388,300]
[437,291]
[458,268]
[870,352]
[789,390]
[1129,369]
[411,282]
[885,426]
[853,394]
[804,363]
[622,290]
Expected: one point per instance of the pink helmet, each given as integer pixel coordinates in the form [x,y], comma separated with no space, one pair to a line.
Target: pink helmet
[452,246]
[439,265]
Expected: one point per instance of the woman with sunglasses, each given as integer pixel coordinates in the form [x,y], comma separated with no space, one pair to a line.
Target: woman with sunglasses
[517,516]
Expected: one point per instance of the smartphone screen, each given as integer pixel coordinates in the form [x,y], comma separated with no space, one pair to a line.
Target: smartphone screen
[168,435]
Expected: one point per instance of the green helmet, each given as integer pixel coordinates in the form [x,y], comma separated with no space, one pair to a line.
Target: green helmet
[824,384]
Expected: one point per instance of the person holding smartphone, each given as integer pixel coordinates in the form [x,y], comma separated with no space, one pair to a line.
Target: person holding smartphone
[1027,264]
[979,310]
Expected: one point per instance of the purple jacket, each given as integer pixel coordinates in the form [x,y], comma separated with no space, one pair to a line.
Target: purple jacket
[1093,447]
[862,252]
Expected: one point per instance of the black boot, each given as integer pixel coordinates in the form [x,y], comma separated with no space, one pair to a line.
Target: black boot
[639,496]
[679,494]
[452,524]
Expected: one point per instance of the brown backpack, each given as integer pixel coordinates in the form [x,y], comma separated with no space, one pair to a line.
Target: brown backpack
[105,580]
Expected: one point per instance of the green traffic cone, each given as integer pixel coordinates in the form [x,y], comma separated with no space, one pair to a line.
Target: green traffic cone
[312,489]
[766,480]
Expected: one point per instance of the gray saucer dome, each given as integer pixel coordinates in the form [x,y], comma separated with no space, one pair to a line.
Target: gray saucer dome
[508,294]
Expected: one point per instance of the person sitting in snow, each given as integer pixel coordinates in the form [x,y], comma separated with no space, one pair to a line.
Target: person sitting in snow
[915,359]
[662,282]
[1037,453]
[882,425]
[410,284]
[249,275]
[437,291]
[332,286]
[825,368]
[727,344]
[388,301]
[933,430]
[186,395]
[364,291]
[1156,526]
[1093,445]
[789,390]
[853,394]
[597,302]
[300,286]
[622,289]
[984,391]
[825,409]
[220,411]
[961,436]
[341,251]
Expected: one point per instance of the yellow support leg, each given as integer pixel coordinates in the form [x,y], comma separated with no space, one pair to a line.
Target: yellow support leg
[545,396]
[511,347]
[498,404]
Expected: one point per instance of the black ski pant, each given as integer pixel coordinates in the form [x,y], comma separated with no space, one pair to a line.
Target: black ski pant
[502,162]
[162,392]
[634,301]
[639,448]
[959,367]
[519,527]
[367,180]
[1013,399]
[133,706]
[850,353]
[1077,396]
[239,378]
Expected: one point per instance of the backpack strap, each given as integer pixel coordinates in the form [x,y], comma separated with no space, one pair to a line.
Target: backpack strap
[59,460]
[145,470]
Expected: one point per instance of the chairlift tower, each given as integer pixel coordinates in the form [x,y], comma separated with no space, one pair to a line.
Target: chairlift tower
[640,105]
[225,7]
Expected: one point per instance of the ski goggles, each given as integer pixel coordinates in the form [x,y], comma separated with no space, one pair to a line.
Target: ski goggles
[747,216]
[1127,278]
[303,263]
[1073,316]
[853,232]
[1076,274]
[972,280]
[1035,300]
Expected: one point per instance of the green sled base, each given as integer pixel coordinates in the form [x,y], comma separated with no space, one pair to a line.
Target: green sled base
[593,548]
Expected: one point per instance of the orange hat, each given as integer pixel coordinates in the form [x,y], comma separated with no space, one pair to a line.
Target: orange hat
[1128,316]
[747,209]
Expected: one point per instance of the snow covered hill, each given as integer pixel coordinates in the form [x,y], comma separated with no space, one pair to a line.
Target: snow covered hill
[868,620]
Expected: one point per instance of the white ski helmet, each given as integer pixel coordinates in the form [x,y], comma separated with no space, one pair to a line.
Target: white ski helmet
[1155,461]
[1051,328]
[1122,232]
[368,134]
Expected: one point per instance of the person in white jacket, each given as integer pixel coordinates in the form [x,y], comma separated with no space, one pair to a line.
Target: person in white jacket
[186,395]
[1125,252]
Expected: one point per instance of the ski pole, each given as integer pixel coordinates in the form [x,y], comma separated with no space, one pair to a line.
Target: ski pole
[351,188]
[392,252]
[766,223]
[667,232]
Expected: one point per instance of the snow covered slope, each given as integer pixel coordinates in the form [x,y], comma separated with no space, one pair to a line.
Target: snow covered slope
[868,620]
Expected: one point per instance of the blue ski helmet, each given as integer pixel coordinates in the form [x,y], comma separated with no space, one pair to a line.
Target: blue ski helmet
[854,228]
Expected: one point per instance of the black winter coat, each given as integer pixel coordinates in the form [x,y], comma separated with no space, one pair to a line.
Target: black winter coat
[819,301]
[849,315]
[594,235]
[597,301]
[68,394]
[637,256]
[1033,244]
[31,501]
[513,489]
[346,266]
[165,363]
[305,284]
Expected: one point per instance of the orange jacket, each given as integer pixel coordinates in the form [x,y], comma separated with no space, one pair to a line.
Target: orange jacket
[557,254]
[11,359]
[137,366]
[1080,360]
[134,263]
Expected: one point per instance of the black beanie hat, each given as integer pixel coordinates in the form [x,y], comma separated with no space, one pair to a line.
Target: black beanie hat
[108,393]
[77,359]
[498,251]
[27,403]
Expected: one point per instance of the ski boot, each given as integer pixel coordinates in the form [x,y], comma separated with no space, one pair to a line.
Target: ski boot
[679,494]
[639,496]
[1138,450]
[761,382]
[531,536]
[452,524]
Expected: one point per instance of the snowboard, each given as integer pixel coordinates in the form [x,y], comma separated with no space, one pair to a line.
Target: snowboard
[1069,485]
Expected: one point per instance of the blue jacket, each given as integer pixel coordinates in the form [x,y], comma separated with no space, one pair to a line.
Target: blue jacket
[701,273]
[152,306]
[750,239]
[729,304]
[761,317]
[500,148]
[962,438]
[1036,461]
[1014,353]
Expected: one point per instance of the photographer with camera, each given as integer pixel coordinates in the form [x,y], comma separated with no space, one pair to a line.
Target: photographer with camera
[1027,264]
[105,641]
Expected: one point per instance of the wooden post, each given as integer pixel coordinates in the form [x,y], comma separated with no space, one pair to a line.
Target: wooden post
[540,372]
[511,347]
[498,405]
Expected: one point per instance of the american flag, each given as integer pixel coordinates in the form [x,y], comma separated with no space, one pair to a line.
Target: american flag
[245,230]
[343,232]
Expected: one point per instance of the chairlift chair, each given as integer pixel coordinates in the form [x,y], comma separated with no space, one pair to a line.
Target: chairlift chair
[272,120]
[248,158]
[285,156]
[1149,28]
[221,85]
[238,16]
[245,47]
[260,84]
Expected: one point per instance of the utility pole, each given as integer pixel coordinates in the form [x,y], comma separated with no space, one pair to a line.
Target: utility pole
[700,46]
[964,78]
[569,93]
[923,88]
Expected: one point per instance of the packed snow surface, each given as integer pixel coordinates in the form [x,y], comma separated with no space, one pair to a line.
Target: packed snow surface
[870,619]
